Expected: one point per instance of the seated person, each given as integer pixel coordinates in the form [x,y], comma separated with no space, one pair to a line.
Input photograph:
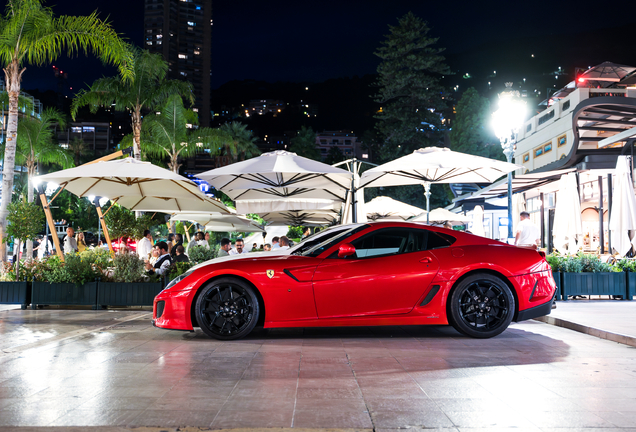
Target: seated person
[181,256]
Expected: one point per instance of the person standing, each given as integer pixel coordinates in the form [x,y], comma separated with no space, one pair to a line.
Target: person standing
[42,248]
[178,242]
[528,235]
[70,245]
[170,242]
[224,250]
[144,247]
[81,242]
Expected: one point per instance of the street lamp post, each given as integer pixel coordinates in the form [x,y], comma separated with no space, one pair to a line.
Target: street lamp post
[506,122]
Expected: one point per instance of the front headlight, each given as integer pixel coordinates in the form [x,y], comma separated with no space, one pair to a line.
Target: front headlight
[178,279]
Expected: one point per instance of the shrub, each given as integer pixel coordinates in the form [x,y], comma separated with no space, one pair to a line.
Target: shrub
[179,268]
[295,232]
[556,261]
[572,264]
[129,268]
[626,265]
[199,254]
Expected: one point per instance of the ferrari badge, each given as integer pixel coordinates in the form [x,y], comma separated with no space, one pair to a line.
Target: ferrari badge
[270,273]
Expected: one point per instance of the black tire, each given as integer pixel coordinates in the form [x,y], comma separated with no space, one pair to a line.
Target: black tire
[227,309]
[482,306]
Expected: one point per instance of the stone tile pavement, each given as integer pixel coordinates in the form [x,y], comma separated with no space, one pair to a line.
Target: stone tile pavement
[84,369]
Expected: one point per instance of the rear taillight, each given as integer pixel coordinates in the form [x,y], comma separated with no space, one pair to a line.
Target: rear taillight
[542,253]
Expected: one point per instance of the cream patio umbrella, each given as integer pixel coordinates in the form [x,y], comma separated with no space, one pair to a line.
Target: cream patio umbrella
[442,215]
[218,222]
[134,184]
[567,215]
[301,217]
[386,208]
[259,206]
[622,223]
[280,174]
[436,165]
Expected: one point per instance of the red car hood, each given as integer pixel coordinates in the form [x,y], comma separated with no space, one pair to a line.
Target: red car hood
[250,255]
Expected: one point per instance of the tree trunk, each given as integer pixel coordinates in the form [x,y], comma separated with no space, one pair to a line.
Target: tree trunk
[136,125]
[30,198]
[13,76]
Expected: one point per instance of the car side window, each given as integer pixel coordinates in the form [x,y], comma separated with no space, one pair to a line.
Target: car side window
[394,241]
[388,241]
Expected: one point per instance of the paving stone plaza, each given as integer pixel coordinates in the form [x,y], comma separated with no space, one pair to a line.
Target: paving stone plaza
[84,368]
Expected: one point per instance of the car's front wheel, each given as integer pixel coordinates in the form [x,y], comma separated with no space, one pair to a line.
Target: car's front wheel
[482,306]
[227,309]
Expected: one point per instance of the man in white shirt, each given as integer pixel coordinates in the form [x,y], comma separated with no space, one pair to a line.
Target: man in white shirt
[239,248]
[284,243]
[144,246]
[528,235]
[70,244]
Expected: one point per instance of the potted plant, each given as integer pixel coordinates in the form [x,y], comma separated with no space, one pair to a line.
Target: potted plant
[129,284]
[72,282]
[585,274]
[556,262]
[25,220]
[629,267]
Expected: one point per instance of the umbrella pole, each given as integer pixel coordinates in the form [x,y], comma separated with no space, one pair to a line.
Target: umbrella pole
[102,221]
[49,220]
[427,194]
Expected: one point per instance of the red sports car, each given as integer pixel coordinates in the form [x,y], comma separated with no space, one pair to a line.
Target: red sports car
[380,273]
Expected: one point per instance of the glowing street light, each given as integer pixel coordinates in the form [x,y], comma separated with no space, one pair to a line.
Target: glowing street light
[506,122]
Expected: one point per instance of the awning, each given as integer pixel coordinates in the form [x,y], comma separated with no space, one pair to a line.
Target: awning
[520,183]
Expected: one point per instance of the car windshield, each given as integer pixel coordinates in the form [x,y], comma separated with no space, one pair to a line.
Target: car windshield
[316,244]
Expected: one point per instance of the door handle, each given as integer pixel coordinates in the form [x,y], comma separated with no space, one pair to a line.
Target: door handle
[426,260]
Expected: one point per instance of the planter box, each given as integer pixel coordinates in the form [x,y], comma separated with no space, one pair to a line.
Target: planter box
[15,292]
[127,294]
[631,285]
[593,284]
[45,293]
[557,280]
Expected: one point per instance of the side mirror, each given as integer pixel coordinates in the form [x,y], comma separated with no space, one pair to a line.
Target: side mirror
[346,250]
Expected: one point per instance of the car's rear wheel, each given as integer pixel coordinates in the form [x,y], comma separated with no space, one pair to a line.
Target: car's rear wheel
[482,306]
[227,309]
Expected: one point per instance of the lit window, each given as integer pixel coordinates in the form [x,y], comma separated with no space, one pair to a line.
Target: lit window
[183,56]
[76,129]
[183,73]
[197,52]
[88,129]
[149,43]
[195,109]
[190,23]
[159,36]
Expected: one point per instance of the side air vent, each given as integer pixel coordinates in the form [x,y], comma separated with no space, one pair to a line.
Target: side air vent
[430,295]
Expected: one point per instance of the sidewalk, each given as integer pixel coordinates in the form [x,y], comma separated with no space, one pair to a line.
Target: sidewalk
[613,320]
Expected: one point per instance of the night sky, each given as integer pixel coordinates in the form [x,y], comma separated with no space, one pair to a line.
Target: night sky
[316,40]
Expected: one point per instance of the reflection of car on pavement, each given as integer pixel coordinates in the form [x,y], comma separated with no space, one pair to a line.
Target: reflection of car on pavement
[380,273]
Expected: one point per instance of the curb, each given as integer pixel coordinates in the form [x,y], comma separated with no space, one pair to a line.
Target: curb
[602,334]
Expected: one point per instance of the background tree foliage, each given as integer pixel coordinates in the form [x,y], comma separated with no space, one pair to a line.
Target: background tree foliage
[304,144]
[470,132]
[412,102]
[410,91]
[121,222]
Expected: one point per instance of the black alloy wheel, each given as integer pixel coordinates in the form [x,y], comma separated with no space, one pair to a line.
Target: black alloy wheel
[227,309]
[482,306]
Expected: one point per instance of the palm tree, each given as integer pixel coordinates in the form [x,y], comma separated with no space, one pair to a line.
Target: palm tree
[304,144]
[168,134]
[80,150]
[37,144]
[31,34]
[146,91]
[243,143]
